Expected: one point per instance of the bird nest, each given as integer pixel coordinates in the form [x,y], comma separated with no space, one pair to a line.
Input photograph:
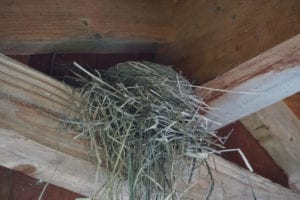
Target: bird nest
[143,124]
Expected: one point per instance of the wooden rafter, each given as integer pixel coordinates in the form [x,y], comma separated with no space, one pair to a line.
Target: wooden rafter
[269,77]
[273,75]
[18,152]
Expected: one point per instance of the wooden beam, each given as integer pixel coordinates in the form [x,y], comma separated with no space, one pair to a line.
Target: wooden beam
[276,75]
[37,160]
[94,26]
[273,76]
[260,160]
[277,130]
[37,101]
[30,139]
[17,152]
[30,86]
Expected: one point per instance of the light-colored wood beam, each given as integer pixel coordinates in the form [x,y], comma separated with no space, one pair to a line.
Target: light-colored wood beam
[50,165]
[52,157]
[231,181]
[271,77]
[37,101]
[277,129]
[66,26]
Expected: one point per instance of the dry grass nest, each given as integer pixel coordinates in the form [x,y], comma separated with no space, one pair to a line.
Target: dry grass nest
[143,124]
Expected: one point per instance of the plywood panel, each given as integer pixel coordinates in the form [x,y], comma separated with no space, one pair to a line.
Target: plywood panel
[215,36]
[79,26]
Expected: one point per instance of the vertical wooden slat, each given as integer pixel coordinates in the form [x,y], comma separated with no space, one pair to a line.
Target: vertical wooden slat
[278,130]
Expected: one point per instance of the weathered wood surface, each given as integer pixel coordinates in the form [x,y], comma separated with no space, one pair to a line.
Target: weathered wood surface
[37,160]
[32,104]
[33,138]
[276,75]
[21,147]
[260,159]
[19,186]
[94,26]
[278,130]
[231,181]
[273,76]
[30,86]
[215,36]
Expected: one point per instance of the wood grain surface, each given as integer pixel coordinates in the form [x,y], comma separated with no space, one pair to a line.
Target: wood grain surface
[255,84]
[21,151]
[277,129]
[67,26]
[216,36]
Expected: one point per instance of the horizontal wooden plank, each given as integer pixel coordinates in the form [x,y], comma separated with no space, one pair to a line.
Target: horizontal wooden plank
[38,125]
[30,86]
[101,46]
[68,26]
[30,100]
[277,130]
[269,77]
[78,175]
[18,185]
[233,182]
[46,163]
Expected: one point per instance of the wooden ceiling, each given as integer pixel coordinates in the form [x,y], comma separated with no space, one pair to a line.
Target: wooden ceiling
[204,39]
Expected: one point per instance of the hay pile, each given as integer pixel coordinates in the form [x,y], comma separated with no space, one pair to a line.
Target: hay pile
[143,123]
